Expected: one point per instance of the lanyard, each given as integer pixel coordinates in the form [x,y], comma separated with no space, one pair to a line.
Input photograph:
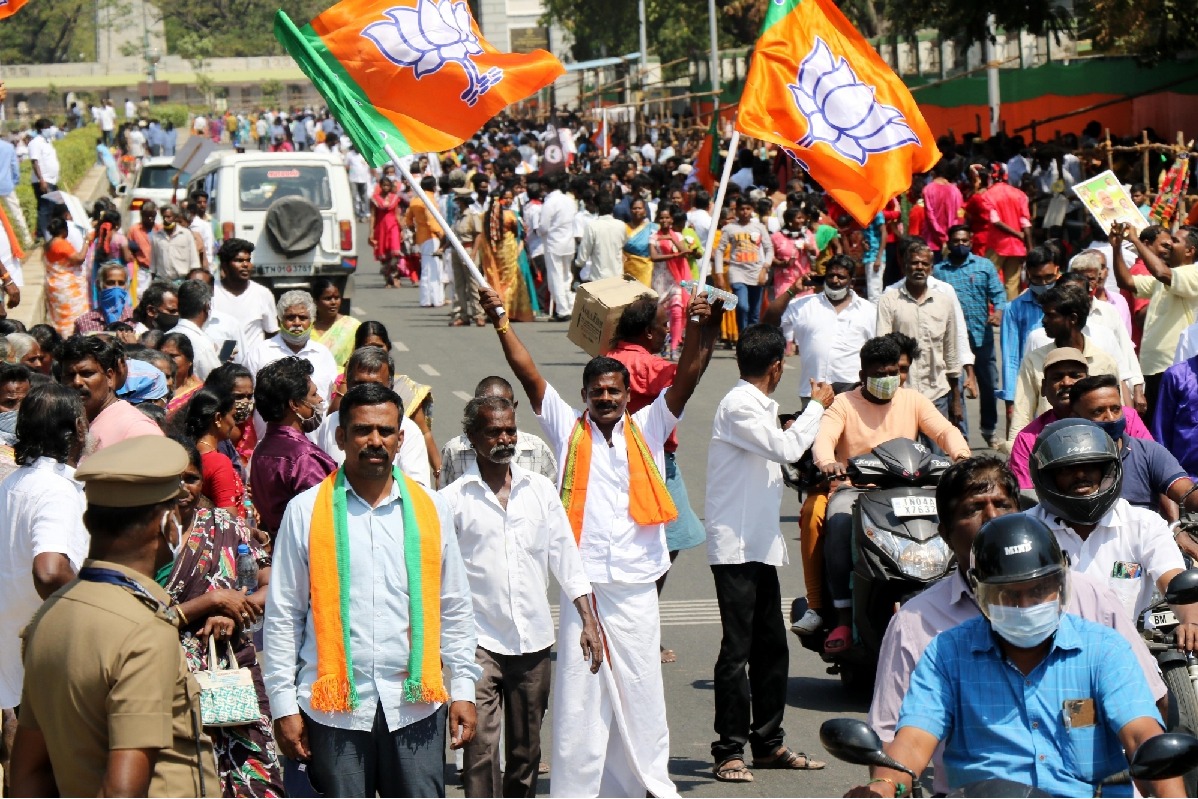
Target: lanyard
[94,574]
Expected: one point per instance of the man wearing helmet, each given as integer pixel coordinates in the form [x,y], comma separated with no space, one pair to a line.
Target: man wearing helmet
[1078,477]
[1025,691]
[969,494]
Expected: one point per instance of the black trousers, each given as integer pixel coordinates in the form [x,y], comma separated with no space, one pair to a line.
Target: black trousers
[752,669]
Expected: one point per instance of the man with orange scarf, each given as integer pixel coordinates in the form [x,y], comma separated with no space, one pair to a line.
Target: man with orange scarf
[367,603]
[617,503]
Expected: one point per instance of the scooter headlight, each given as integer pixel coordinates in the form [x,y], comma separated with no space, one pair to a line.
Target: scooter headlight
[924,560]
[884,541]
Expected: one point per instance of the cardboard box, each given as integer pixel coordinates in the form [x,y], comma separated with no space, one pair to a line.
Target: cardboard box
[597,309]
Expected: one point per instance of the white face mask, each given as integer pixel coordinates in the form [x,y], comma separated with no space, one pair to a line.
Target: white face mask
[835,295]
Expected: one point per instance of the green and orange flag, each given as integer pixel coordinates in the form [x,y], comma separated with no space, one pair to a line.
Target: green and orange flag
[10,7]
[412,74]
[818,90]
[707,160]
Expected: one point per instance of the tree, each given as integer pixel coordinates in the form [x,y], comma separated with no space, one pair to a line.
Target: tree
[224,28]
[50,33]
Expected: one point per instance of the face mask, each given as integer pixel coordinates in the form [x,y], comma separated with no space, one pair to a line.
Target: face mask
[884,388]
[959,251]
[169,228]
[1038,291]
[1114,429]
[296,339]
[8,427]
[1026,627]
[165,572]
[113,303]
[835,295]
[312,423]
[166,321]
[242,409]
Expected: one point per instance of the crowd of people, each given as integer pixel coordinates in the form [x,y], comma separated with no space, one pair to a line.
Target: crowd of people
[173,423]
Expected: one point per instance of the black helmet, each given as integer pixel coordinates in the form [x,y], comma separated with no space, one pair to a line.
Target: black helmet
[1068,442]
[1015,548]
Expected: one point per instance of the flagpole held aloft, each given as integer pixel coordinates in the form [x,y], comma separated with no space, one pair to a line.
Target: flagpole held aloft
[454,241]
[717,206]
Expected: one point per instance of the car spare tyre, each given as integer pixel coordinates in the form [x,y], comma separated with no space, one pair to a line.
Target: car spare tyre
[293,226]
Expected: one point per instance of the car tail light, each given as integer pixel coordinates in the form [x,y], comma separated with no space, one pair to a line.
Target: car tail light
[137,203]
[347,235]
[226,230]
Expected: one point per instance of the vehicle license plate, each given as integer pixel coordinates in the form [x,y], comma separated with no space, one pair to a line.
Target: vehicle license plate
[1164,618]
[913,506]
[285,270]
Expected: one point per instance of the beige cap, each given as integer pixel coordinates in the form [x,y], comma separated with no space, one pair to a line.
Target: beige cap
[136,472]
[1062,354]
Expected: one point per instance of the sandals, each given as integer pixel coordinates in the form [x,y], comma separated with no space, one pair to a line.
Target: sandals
[838,640]
[725,773]
[787,758]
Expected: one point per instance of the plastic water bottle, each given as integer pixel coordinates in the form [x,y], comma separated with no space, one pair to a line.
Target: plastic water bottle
[712,293]
[247,577]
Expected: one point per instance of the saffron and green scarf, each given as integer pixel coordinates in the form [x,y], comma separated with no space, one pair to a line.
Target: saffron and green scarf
[329,572]
[649,502]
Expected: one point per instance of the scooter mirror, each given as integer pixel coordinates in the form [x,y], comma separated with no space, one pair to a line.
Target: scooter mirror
[1164,756]
[853,741]
[1183,589]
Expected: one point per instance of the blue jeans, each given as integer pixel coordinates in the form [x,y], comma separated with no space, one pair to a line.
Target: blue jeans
[748,305]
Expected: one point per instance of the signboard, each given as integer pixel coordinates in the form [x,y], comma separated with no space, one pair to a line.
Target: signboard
[1107,200]
[525,40]
[192,154]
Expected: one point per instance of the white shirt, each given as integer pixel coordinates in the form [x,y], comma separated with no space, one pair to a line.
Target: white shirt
[1105,328]
[744,476]
[614,548]
[41,510]
[130,109]
[533,241]
[379,615]
[324,367]
[509,554]
[42,151]
[204,229]
[107,117]
[700,220]
[207,357]
[1132,536]
[254,309]
[557,223]
[603,247]
[359,170]
[412,457]
[964,351]
[137,143]
[829,343]
[223,327]
[1187,344]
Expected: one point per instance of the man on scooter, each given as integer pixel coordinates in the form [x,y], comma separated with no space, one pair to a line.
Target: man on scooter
[969,494]
[1025,692]
[1078,477]
[859,420]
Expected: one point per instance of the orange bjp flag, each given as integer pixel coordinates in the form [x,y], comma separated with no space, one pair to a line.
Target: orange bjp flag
[10,7]
[412,74]
[819,91]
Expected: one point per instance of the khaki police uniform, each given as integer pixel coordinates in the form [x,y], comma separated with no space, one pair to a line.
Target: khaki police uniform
[103,665]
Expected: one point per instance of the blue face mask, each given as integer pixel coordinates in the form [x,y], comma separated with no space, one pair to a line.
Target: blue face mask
[113,304]
[1038,291]
[1114,429]
[1026,627]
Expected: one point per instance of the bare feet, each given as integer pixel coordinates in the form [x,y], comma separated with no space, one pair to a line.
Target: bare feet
[668,655]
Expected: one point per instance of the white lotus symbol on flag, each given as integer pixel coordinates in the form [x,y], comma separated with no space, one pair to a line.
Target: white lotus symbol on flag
[843,112]
[430,35]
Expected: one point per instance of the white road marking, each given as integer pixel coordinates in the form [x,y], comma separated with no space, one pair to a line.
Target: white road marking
[429,370]
[399,346]
[357,310]
[463,396]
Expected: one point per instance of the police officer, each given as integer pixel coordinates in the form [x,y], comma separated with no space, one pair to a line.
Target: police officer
[108,704]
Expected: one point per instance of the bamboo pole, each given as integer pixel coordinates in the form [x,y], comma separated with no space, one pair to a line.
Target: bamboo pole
[1147,177]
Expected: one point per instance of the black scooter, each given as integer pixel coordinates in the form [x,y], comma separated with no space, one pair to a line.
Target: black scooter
[897,550]
[1159,758]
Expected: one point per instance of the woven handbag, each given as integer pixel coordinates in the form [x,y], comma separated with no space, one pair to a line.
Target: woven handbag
[227,696]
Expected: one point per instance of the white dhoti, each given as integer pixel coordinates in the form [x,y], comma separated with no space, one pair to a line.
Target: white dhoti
[432,290]
[610,736]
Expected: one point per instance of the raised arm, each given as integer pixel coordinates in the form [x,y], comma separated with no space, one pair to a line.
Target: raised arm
[702,327]
[778,305]
[518,358]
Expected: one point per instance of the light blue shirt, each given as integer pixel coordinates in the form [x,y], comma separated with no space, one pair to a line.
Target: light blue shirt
[1023,315]
[10,169]
[995,722]
[378,616]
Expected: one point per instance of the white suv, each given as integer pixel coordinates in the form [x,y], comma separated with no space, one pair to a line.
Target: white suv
[295,208]
[153,180]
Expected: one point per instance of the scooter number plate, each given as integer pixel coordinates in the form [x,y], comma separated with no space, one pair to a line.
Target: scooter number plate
[1165,618]
[913,506]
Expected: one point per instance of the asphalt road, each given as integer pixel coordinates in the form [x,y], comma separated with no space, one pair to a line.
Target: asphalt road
[453,360]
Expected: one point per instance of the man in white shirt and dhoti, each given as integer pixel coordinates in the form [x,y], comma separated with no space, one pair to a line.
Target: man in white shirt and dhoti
[610,737]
